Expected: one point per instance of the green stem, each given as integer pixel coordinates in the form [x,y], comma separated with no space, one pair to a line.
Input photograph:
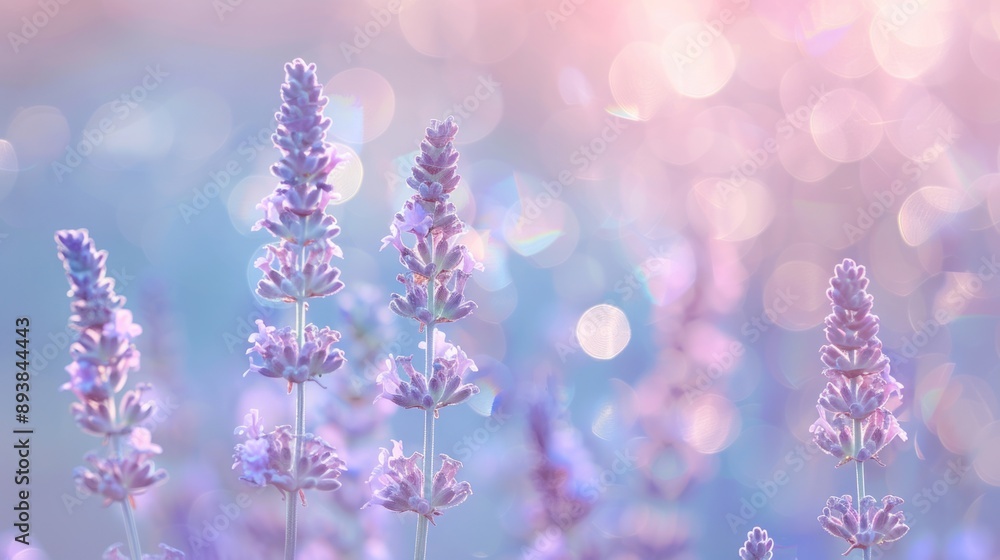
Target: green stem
[291,514]
[420,548]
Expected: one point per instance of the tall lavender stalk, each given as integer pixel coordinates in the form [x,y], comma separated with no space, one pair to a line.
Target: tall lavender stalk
[854,423]
[296,268]
[103,355]
[437,269]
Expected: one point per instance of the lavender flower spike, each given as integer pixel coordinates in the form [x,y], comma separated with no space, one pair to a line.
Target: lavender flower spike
[296,268]
[758,546]
[426,234]
[103,357]
[855,422]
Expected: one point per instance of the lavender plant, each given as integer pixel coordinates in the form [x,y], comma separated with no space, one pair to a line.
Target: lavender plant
[437,270]
[854,422]
[295,269]
[758,546]
[103,356]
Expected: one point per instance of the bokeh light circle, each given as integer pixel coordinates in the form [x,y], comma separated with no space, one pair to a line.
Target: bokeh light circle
[846,125]
[39,133]
[603,331]
[698,60]
[347,176]
[8,167]
[362,104]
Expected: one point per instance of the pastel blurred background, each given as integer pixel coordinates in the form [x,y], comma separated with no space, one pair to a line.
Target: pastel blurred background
[689,172]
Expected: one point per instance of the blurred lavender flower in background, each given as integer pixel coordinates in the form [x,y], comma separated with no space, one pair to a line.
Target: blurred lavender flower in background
[103,355]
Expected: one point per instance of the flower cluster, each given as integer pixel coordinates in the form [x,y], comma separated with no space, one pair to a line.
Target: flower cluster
[855,422]
[397,484]
[297,266]
[266,459]
[435,261]
[280,355]
[103,356]
[758,546]
[859,384]
[867,527]
[445,386]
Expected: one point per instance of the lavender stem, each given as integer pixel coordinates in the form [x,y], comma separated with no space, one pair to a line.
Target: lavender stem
[300,422]
[420,549]
[859,465]
[131,529]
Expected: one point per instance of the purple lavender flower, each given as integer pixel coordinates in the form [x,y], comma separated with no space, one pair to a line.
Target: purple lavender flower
[103,356]
[280,355]
[118,479]
[435,254]
[266,459]
[851,329]
[438,268]
[398,484]
[445,386]
[758,546]
[92,292]
[854,422]
[869,526]
[295,268]
[298,266]
[860,384]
